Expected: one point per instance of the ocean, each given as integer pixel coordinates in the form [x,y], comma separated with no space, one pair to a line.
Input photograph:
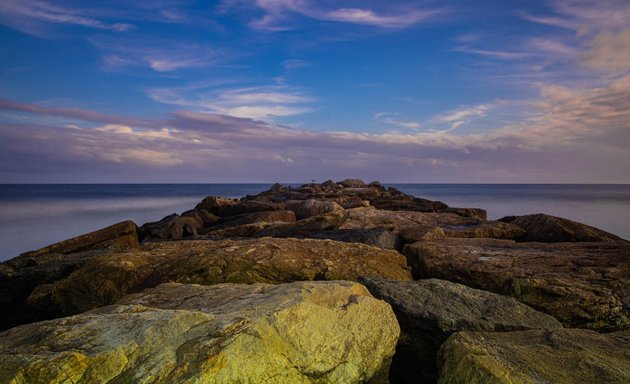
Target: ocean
[32,216]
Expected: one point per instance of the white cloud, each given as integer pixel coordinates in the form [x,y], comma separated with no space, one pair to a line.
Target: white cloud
[393,119]
[32,16]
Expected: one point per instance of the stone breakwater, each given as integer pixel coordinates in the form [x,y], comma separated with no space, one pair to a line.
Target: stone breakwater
[339,282]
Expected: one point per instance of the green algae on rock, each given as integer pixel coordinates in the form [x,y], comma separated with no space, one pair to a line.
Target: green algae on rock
[304,332]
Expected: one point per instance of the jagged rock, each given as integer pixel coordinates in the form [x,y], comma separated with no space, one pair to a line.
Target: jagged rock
[489,229]
[581,284]
[177,227]
[412,226]
[381,238]
[213,204]
[574,356]
[249,206]
[286,216]
[429,311]
[352,183]
[119,236]
[475,213]
[307,332]
[103,280]
[305,226]
[551,229]
[311,207]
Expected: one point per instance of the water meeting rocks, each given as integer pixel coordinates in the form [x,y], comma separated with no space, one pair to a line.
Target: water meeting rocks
[429,311]
[306,332]
[584,285]
[576,356]
[105,279]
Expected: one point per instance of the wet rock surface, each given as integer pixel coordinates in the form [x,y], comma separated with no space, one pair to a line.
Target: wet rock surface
[429,311]
[306,332]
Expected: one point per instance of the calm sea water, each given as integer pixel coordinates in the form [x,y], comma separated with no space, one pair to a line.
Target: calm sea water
[32,216]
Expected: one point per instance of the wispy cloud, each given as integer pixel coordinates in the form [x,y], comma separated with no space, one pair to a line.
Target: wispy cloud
[499,54]
[32,16]
[277,14]
[463,115]
[260,102]
[395,120]
[160,55]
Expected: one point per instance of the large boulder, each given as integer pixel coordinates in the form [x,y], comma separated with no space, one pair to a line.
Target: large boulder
[311,207]
[176,227]
[580,284]
[378,237]
[103,280]
[307,332]
[575,356]
[119,236]
[429,311]
[550,229]
[21,276]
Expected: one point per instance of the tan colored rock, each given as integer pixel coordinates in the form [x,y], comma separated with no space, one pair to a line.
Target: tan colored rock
[103,280]
[311,207]
[571,356]
[488,229]
[307,332]
[118,236]
[581,284]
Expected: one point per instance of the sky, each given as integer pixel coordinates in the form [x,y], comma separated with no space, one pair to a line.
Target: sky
[184,91]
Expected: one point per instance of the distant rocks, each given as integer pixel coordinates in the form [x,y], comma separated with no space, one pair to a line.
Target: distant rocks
[186,298]
[558,356]
[580,284]
[429,311]
[551,229]
[306,332]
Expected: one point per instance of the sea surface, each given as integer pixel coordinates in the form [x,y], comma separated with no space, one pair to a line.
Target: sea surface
[32,216]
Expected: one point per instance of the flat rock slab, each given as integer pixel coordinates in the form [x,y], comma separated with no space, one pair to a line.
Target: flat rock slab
[306,332]
[103,280]
[575,356]
[584,285]
[429,311]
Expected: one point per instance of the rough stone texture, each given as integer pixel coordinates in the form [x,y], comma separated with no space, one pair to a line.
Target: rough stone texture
[213,204]
[312,207]
[176,227]
[488,229]
[308,332]
[429,311]
[551,229]
[119,236]
[571,356]
[585,285]
[475,213]
[103,280]
[381,238]
[286,216]
[305,226]
[20,276]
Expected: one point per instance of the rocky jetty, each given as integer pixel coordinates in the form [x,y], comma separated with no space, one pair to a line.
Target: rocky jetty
[315,284]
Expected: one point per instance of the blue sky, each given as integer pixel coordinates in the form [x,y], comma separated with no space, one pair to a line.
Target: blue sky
[294,90]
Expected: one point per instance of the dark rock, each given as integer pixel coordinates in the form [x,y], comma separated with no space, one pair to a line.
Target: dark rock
[249,206]
[20,276]
[286,216]
[352,183]
[574,356]
[213,204]
[584,285]
[551,229]
[381,238]
[105,279]
[119,236]
[429,311]
[305,226]
[475,213]
[177,227]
